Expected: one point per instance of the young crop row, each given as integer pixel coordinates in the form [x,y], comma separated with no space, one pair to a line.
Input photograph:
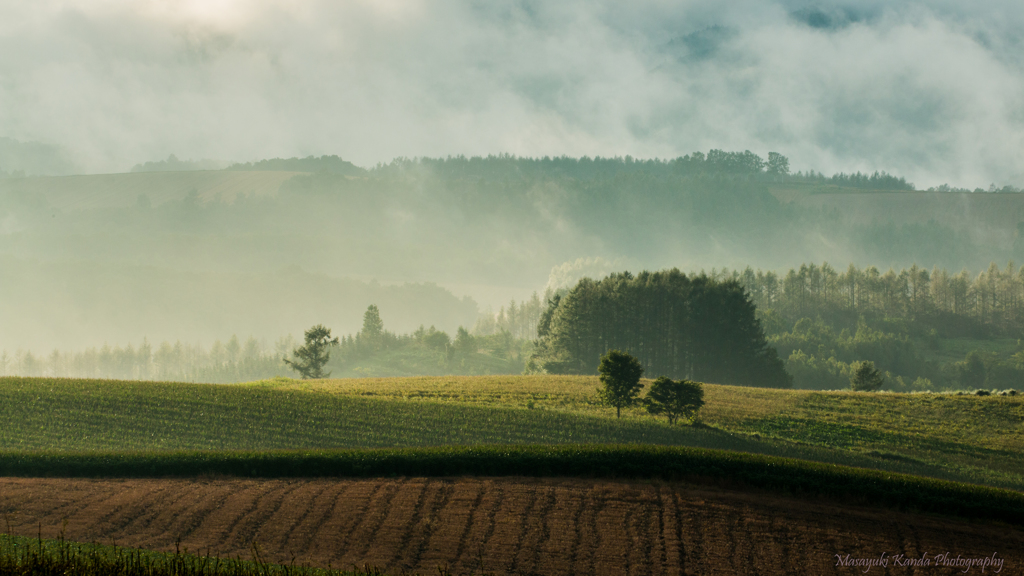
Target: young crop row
[38,557]
[785,475]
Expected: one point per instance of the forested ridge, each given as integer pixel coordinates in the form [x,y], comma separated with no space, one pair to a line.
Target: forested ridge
[91,266]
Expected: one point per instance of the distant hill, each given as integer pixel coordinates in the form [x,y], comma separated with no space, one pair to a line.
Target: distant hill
[493,228]
[329,164]
[990,218]
[102,191]
[75,304]
[173,164]
[20,159]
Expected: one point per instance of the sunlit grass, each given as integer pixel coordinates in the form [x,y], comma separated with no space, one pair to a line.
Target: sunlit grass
[966,438]
[975,435]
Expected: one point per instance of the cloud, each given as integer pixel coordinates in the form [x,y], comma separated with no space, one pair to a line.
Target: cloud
[929,90]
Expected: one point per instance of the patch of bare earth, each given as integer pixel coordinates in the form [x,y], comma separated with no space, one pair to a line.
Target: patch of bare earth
[499,525]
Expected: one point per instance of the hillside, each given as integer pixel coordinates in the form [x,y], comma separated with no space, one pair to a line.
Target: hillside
[73,305]
[108,191]
[489,228]
[983,218]
[637,508]
[964,438]
[94,260]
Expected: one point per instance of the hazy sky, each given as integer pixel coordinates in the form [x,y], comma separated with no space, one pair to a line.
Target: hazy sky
[930,90]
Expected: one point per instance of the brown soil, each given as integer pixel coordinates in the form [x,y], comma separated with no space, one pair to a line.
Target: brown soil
[499,525]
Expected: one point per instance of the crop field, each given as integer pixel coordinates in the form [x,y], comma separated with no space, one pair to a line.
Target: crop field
[963,438]
[496,525]
[979,437]
[420,508]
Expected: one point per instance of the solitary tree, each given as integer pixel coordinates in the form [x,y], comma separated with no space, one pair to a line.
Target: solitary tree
[620,380]
[310,359]
[675,398]
[865,377]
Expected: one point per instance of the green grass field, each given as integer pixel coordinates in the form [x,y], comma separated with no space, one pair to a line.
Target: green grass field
[961,438]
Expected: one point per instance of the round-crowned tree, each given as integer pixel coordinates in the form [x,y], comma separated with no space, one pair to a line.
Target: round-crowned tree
[674,398]
[620,380]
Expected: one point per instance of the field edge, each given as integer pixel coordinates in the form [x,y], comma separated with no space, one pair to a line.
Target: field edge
[701,466]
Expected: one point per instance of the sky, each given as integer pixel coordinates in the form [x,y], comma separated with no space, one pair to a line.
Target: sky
[933,91]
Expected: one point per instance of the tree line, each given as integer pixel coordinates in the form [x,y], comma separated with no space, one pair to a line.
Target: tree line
[824,323]
[429,350]
[222,362]
[518,319]
[507,166]
[876,181]
[953,304]
[500,343]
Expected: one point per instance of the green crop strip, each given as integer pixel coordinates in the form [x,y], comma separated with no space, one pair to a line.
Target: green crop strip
[21,556]
[708,466]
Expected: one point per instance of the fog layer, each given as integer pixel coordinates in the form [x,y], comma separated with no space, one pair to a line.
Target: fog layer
[929,90]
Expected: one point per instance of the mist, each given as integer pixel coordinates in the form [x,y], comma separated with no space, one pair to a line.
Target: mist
[118,222]
[929,90]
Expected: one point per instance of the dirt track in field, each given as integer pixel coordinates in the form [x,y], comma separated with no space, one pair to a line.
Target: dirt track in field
[498,525]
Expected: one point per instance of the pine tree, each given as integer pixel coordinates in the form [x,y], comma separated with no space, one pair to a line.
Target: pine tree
[373,328]
[310,359]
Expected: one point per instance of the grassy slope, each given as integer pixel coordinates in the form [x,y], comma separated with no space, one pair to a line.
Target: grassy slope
[955,437]
[416,360]
[976,437]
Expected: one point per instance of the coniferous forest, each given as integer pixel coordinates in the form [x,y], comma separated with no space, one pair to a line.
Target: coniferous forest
[677,326]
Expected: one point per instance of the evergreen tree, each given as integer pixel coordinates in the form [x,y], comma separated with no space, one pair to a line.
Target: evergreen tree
[310,359]
[464,341]
[373,328]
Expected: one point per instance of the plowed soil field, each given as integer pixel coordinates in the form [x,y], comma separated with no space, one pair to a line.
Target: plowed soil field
[500,525]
